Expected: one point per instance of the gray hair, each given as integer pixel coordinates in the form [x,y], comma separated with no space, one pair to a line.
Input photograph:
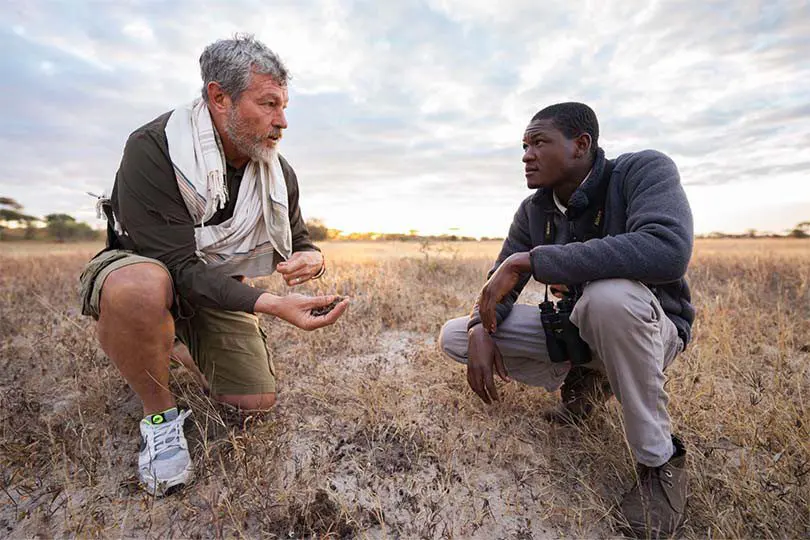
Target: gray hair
[230,62]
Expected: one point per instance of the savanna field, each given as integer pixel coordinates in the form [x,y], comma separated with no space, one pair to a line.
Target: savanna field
[377,435]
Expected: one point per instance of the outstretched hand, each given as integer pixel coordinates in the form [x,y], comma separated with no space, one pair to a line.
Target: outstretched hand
[300,310]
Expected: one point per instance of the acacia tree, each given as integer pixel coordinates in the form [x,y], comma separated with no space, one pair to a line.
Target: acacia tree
[317,230]
[802,230]
[64,227]
[60,226]
[10,210]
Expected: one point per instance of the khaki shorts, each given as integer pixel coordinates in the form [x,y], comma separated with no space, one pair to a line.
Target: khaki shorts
[229,347]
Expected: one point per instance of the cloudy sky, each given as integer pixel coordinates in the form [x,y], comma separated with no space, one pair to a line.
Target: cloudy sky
[408,114]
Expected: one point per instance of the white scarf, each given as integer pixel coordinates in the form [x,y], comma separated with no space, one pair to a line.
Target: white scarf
[244,244]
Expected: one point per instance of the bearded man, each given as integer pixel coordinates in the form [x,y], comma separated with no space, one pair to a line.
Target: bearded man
[203,199]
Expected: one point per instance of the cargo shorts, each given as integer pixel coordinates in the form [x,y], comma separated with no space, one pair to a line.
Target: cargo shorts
[229,347]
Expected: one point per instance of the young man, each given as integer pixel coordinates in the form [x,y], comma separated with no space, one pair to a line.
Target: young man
[202,199]
[616,237]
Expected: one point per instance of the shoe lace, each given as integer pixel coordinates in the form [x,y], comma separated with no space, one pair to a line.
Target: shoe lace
[647,476]
[167,436]
[665,476]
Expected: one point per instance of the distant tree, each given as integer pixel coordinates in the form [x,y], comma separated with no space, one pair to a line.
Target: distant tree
[64,227]
[10,203]
[14,215]
[60,226]
[10,210]
[30,231]
[802,230]
[317,230]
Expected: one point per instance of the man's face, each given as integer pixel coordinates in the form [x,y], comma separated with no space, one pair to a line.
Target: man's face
[255,120]
[547,155]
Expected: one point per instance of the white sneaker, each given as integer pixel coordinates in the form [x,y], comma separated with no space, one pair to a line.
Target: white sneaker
[164,461]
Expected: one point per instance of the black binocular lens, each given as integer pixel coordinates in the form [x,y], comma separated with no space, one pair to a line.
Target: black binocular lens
[551,325]
[562,336]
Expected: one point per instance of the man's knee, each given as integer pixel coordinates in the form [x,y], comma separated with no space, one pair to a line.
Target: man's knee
[142,288]
[453,339]
[249,402]
[613,301]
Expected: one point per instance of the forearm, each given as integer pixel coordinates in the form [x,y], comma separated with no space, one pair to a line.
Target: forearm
[206,287]
[303,242]
[658,257]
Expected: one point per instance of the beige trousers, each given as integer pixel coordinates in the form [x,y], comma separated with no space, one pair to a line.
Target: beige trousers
[632,342]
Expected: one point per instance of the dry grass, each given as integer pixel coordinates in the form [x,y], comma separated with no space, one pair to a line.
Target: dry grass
[376,434]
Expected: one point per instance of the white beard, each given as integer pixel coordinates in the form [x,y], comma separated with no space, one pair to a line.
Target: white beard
[246,144]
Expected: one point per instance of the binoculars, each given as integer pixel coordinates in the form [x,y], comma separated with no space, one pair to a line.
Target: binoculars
[562,336]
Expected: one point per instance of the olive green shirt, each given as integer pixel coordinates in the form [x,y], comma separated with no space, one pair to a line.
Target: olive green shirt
[147,202]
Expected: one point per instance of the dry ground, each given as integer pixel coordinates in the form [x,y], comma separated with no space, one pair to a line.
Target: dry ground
[377,435]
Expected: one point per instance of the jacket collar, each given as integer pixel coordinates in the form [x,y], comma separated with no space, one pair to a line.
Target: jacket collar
[586,194]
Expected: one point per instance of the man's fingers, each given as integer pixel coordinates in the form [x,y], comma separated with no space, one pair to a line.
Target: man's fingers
[333,315]
[482,308]
[489,382]
[470,379]
[482,393]
[476,382]
[319,321]
[297,278]
[486,309]
[323,301]
[500,368]
[291,266]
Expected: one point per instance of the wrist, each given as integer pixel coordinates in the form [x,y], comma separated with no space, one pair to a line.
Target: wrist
[268,304]
[520,263]
[477,331]
[322,271]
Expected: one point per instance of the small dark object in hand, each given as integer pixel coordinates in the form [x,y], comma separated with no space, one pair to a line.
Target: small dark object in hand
[321,311]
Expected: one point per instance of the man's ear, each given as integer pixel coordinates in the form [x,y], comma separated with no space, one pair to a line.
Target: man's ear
[583,145]
[218,100]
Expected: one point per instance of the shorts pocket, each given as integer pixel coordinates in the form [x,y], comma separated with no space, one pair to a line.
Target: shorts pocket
[267,350]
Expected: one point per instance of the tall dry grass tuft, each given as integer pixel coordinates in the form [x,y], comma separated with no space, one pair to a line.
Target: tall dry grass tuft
[376,434]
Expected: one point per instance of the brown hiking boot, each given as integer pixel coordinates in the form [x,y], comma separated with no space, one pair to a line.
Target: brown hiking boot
[654,508]
[582,391]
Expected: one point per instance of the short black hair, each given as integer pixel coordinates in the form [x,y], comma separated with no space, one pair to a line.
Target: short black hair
[572,119]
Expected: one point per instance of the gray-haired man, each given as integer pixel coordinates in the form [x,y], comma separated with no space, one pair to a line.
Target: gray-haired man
[201,200]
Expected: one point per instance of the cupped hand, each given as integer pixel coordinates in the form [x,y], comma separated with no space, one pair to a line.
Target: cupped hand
[296,309]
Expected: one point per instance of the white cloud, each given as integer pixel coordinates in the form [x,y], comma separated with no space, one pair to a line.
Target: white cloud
[139,29]
[47,67]
[409,114]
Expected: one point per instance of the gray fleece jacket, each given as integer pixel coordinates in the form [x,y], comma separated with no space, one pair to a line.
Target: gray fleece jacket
[647,230]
